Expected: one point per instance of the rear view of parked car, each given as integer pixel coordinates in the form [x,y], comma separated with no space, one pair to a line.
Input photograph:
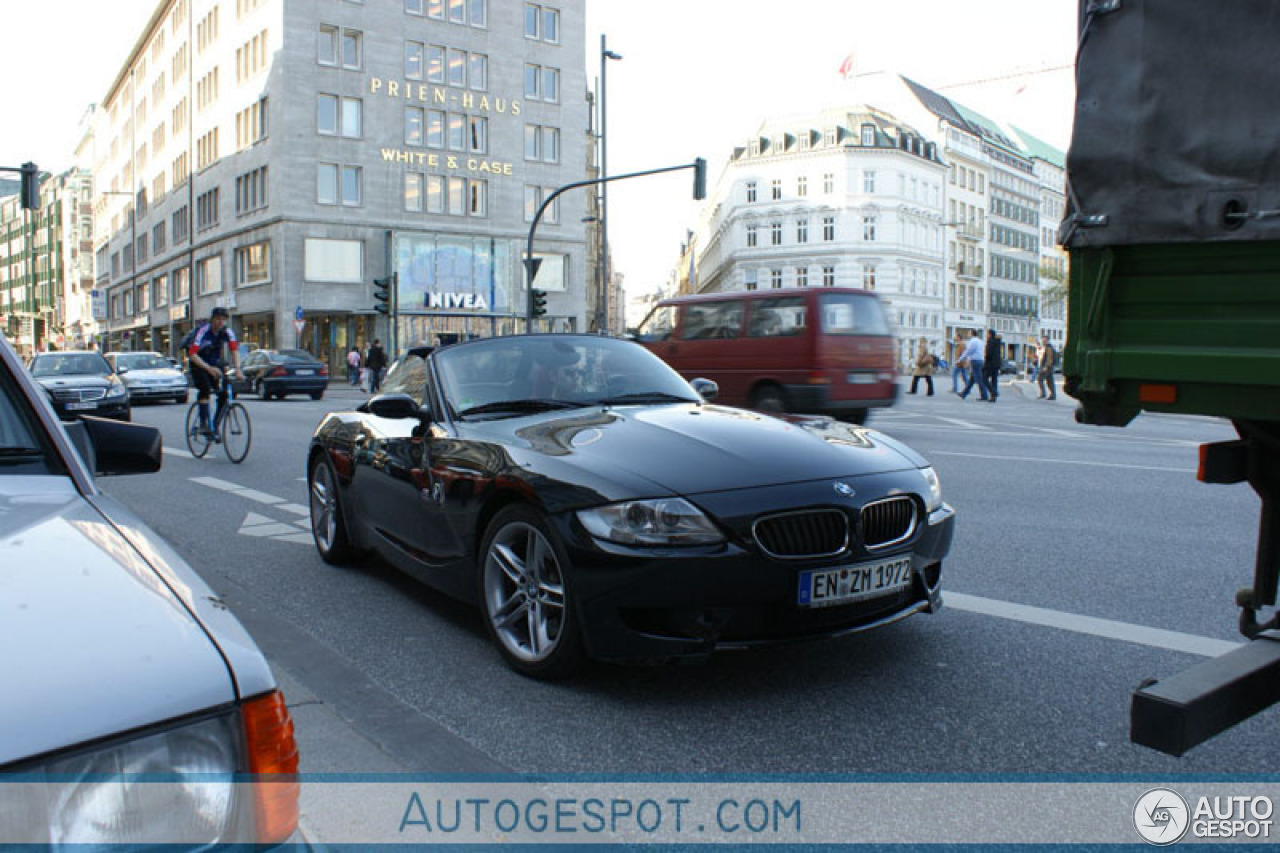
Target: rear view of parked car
[149,376]
[134,708]
[278,373]
[81,383]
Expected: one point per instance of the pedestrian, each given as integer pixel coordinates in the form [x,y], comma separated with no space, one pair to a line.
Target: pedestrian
[375,361]
[973,358]
[923,368]
[992,363]
[959,373]
[353,366]
[1044,369]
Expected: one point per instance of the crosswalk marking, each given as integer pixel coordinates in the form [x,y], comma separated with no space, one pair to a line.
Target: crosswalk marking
[963,424]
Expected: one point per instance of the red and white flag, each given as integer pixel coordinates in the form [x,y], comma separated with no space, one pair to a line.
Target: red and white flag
[846,67]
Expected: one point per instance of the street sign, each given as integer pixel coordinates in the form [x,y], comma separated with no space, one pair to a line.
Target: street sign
[98,304]
[298,325]
[297,314]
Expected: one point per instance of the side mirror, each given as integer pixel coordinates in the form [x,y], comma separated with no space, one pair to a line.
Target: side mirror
[397,407]
[117,447]
[707,389]
[121,371]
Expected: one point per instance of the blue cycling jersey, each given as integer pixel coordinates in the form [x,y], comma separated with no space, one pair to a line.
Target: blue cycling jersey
[208,344]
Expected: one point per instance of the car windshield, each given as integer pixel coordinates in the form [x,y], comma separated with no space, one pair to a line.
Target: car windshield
[516,375]
[70,364]
[293,354]
[142,361]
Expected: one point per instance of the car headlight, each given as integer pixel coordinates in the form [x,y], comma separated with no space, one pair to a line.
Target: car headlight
[663,521]
[933,489]
[178,786]
[117,389]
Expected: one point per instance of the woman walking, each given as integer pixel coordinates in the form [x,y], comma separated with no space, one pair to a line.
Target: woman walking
[923,368]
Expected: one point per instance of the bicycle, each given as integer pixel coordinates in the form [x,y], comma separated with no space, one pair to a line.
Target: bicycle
[230,428]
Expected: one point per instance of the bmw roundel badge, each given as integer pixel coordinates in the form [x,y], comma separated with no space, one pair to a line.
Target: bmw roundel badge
[844,489]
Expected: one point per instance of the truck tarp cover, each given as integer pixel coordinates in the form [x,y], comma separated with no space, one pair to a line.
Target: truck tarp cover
[1177,116]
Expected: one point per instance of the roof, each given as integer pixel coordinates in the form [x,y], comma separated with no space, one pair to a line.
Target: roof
[1013,138]
[1040,149]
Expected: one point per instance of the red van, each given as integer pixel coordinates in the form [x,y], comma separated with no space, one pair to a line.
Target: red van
[813,350]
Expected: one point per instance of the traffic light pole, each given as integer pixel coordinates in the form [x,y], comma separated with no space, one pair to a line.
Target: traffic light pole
[531,263]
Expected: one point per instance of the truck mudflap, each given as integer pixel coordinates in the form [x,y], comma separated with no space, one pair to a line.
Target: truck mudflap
[1174,714]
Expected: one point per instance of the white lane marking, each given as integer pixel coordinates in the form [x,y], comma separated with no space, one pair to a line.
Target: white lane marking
[300,538]
[296,509]
[215,483]
[1065,433]
[1141,635]
[963,424]
[173,451]
[1063,461]
[260,497]
[261,525]
[304,523]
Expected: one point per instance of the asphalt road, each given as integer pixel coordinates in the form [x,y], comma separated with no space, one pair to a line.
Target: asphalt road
[1086,560]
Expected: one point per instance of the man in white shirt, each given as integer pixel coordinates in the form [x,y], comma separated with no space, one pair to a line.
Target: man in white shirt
[973,358]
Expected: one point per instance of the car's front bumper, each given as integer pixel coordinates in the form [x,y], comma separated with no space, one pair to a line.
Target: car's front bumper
[296,384]
[637,604]
[141,393]
[107,408]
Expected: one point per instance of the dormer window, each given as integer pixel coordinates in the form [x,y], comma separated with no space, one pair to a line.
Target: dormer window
[829,137]
[869,135]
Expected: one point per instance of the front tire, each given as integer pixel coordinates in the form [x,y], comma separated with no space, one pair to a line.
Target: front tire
[263,393]
[317,395]
[525,595]
[769,398]
[327,526]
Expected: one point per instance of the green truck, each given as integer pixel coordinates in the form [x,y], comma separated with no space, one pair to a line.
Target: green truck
[1173,230]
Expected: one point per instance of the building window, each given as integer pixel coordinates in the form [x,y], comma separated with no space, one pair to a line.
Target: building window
[209,275]
[414,55]
[413,186]
[251,124]
[541,143]
[751,236]
[141,251]
[868,134]
[828,276]
[160,284]
[253,264]
[413,130]
[533,198]
[828,229]
[456,68]
[775,279]
[542,23]
[351,185]
[327,183]
[435,194]
[541,83]
[869,228]
[179,225]
[181,285]
[477,197]
[869,277]
[829,183]
[339,261]
[802,186]
[775,233]
[802,276]
[207,150]
[352,53]
[457,131]
[749,279]
[207,209]
[251,191]
[435,63]
[327,46]
[751,191]
[478,141]
[478,13]
[869,181]
[435,129]
[775,189]
[143,298]
[157,238]
[478,71]
[337,116]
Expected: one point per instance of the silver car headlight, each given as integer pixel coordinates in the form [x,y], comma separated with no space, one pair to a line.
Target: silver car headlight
[184,785]
[117,389]
[663,521]
[933,489]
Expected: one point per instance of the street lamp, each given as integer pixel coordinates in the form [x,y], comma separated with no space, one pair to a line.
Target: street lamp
[605,56]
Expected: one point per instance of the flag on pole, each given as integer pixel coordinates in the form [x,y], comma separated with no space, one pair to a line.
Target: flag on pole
[847,67]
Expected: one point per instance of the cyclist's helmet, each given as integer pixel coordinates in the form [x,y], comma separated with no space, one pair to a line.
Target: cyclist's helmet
[219,312]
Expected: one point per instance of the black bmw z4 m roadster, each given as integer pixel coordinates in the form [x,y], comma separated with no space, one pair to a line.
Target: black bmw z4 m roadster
[595,504]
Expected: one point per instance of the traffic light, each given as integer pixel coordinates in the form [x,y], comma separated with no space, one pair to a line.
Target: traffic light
[699,179]
[30,195]
[539,300]
[382,293]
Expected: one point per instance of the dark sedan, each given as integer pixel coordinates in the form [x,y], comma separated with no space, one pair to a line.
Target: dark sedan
[81,383]
[593,504]
[278,373]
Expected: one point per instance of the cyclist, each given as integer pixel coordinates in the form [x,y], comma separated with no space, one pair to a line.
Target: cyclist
[205,351]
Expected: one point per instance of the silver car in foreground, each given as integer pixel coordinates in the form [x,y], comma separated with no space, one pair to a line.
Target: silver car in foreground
[149,376]
[120,668]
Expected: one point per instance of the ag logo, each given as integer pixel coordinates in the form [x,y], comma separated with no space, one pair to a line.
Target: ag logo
[1161,816]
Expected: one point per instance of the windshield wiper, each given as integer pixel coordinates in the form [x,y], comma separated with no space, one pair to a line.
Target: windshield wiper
[519,407]
[644,397]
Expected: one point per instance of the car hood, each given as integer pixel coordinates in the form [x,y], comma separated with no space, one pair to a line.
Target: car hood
[689,449]
[95,643]
[165,373]
[75,380]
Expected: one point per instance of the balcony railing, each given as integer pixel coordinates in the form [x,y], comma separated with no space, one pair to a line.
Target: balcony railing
[967,270]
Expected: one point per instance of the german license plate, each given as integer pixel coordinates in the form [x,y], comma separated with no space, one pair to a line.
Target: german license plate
[861,378]
[77,407]
[303,372]
[853,583]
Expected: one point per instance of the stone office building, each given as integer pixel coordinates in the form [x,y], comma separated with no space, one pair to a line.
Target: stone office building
[276,156]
